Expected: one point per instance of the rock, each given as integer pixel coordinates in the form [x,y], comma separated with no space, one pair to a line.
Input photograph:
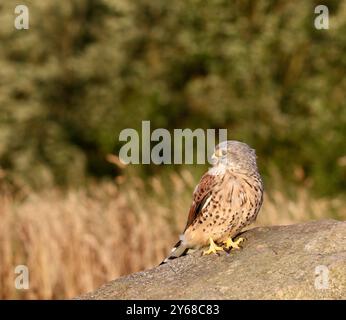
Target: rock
[301,261]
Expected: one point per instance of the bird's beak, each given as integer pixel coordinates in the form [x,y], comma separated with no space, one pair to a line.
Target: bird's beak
[218,153]
[214,158]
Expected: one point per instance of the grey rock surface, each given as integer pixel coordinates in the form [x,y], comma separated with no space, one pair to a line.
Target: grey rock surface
[301,261]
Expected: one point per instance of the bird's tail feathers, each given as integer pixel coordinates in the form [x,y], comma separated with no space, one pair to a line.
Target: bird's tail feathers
[178,250]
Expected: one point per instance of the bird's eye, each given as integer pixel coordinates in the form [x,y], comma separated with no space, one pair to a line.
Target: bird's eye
[223,152]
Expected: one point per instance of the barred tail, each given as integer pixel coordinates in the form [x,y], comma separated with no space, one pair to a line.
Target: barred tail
[178,250]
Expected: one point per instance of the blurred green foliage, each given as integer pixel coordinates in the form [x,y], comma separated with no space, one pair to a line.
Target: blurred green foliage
[86,69]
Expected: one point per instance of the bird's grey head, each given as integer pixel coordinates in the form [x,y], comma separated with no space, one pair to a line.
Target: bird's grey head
[235,155]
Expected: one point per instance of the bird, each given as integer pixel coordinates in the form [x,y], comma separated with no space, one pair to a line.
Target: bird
[226,200]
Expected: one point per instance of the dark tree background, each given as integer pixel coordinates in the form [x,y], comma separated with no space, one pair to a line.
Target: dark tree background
[86,69]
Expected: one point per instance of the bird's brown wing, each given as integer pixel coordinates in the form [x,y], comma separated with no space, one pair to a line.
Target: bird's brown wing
[200,196]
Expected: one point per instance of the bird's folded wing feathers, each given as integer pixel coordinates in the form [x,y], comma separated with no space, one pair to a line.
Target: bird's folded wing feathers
[200,196]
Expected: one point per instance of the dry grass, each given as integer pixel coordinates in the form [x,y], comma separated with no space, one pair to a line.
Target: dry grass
[74,241]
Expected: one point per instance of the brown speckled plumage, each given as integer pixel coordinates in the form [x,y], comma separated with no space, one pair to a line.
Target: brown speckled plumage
[227,199]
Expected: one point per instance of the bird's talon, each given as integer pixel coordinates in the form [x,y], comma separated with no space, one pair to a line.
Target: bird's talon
[229,243]
[213,248]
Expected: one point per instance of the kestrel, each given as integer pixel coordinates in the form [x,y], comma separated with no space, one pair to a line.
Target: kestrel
[227,199]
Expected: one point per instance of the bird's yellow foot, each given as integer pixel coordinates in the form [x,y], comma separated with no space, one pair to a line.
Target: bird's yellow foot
[235,245]
[213,248]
